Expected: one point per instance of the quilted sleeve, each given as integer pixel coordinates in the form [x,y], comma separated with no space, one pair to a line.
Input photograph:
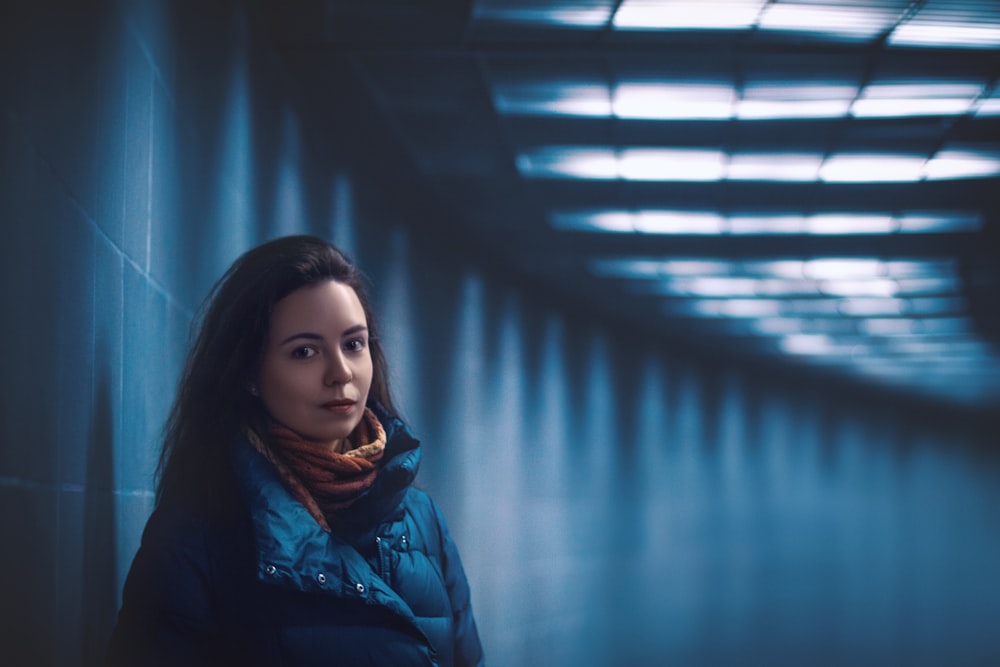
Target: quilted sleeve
[166,617]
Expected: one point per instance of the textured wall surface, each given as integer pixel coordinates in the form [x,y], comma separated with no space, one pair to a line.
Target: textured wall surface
[616,504]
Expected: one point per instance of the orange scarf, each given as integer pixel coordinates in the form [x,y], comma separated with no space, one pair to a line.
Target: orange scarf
[325,482]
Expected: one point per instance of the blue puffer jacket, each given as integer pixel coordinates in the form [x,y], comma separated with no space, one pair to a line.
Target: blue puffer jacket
[272,588]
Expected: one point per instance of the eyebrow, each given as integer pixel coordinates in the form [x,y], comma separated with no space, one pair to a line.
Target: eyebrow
[357,328]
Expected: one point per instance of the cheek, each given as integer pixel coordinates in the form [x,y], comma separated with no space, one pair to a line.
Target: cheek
[369,373]
[280,384]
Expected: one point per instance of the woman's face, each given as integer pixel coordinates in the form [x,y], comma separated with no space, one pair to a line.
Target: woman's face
[317,368]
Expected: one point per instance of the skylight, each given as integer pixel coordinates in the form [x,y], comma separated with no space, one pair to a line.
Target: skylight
[674,101]
[666,221]
[757,100]
[936,26]
[687,14]
[833,19]
[935,23]
[898,319]
[708,165]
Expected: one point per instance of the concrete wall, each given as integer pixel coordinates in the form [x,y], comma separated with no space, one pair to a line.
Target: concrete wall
[615,504]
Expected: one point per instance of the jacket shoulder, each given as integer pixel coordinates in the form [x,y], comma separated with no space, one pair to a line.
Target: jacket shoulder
[424,519]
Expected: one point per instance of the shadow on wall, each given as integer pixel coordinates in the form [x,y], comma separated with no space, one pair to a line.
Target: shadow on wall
[99,602]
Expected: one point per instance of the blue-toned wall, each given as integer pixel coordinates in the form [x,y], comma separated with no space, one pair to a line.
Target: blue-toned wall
[615,503]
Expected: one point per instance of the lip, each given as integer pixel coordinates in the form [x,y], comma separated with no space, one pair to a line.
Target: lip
[342,405]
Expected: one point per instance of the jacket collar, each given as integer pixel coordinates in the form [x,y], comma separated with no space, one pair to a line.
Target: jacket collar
[293,551]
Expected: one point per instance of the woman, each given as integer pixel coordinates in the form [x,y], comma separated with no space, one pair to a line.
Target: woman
[286,530]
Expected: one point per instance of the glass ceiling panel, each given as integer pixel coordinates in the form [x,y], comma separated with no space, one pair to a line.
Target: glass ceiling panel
[903,320]
[674,101]
[718,100]
[687,14]
[950,23]
[840,19]
[665,221]
[829,268]
[935,23]
[666,165]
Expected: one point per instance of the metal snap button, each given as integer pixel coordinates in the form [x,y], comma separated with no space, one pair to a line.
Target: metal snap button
[321,578]
[360,588]
[270,569]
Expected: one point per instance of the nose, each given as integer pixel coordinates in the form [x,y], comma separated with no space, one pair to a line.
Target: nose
[338,370]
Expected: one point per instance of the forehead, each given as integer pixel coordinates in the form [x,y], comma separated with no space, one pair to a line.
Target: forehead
[325,305]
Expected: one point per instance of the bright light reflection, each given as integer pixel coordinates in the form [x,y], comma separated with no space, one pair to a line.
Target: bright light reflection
[763,224]
[571,162]
[900,100]
[655,222]
[673,101]
[677,165]
[988,107]
[902,108]
[739,286]
[879,287]
[738,307]
[927,89]
[654,164]
[955,164]
[774,167]
[850,224]
[845,21]
[666,221]
[837,268]
[946,34]
[808,344]
[695,267]
[909,274]
[861,168]
[929,98]
[686,15]
[790,109]
[712,100]
[785,99]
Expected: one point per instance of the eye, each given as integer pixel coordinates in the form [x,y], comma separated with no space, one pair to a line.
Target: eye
[304,352]
[355,344]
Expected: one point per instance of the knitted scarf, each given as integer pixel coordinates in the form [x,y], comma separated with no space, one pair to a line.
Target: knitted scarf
[325,482]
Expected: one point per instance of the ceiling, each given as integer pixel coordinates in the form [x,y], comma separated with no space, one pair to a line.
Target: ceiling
[803,184]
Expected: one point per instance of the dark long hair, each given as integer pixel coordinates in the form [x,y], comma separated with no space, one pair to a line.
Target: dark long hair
[213,403]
